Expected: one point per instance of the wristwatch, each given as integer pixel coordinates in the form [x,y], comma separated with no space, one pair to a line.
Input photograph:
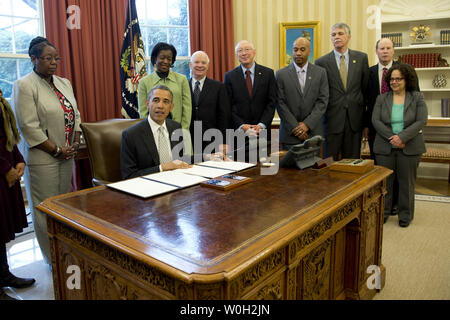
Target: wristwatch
[57,152]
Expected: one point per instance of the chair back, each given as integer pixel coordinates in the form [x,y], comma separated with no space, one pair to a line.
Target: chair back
[103,141]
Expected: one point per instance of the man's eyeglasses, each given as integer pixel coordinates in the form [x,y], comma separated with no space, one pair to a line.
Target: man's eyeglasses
[396,79]
[246,50]
[50,59]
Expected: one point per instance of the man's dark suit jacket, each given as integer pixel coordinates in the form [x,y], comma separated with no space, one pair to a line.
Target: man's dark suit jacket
[373,91]
[260,107]
[138,153]
[352,98]
[213,109]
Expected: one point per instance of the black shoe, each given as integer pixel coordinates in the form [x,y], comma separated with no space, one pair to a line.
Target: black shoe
[386,218]
[10,280]
[403,224]
[4,296]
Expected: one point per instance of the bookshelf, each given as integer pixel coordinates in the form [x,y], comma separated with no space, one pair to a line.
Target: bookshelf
[419,53]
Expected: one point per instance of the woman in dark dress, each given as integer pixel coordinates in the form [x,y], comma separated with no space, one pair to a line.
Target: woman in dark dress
[12,209]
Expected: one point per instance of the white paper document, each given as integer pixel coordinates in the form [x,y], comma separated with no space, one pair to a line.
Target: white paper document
[141,187]
[176,178]
[230,165]
[206,172]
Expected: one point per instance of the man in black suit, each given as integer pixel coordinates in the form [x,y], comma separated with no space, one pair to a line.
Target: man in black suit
[151,145]
[384,49]
[348,73]
[252,91]
[210,105]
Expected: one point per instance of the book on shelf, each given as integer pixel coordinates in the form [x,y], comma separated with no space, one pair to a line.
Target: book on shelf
[396,38]
[444,108]
[420,60]
[445,37]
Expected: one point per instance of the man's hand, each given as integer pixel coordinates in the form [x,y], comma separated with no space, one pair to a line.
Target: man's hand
[301,131]
[175,164]
[218,156]
[257,128]
[251,129]
[245,127]
[224,149]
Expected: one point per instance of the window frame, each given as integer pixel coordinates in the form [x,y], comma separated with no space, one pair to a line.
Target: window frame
[179,58]
[22,56]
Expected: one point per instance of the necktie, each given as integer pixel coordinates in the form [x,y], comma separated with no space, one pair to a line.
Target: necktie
[197,92]
[302,80]
[384,85]
[248,79]
[164,150]
[343,72]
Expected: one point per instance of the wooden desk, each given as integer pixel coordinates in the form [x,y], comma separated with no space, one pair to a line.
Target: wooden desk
[296,235]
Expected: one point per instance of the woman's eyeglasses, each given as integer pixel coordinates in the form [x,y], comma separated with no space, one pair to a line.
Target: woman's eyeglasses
[396,79]
[50,59]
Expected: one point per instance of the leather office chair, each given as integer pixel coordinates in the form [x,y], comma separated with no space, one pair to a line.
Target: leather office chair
[103,141]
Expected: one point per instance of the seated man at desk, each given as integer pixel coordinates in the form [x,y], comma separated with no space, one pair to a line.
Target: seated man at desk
[151,145]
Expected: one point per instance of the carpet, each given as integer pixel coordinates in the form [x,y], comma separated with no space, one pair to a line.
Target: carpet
[42,288]
[432,198]
[417,258]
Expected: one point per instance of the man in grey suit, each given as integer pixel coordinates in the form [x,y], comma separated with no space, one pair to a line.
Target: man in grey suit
[348,72]
[150,145]
[302,97]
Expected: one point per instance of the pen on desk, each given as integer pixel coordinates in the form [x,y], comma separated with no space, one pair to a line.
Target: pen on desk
[357,161]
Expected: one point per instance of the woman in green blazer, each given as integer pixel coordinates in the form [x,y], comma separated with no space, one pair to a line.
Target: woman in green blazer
[163,57]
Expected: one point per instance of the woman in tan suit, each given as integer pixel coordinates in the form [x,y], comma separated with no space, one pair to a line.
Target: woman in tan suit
[398,117]
[49,121]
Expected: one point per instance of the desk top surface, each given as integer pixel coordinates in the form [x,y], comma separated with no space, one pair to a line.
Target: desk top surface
[204,230]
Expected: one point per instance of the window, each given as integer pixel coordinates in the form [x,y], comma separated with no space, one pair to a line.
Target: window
[165,21]
[20,22]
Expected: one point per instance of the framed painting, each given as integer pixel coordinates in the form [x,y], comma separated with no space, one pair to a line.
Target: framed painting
[289,31]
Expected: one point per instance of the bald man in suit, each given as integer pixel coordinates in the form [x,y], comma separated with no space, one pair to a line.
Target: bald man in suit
[302,97]
[210,103]
[348,73]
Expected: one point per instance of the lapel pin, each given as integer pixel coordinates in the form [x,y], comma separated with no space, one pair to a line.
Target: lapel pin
[309,78]
[354,61]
